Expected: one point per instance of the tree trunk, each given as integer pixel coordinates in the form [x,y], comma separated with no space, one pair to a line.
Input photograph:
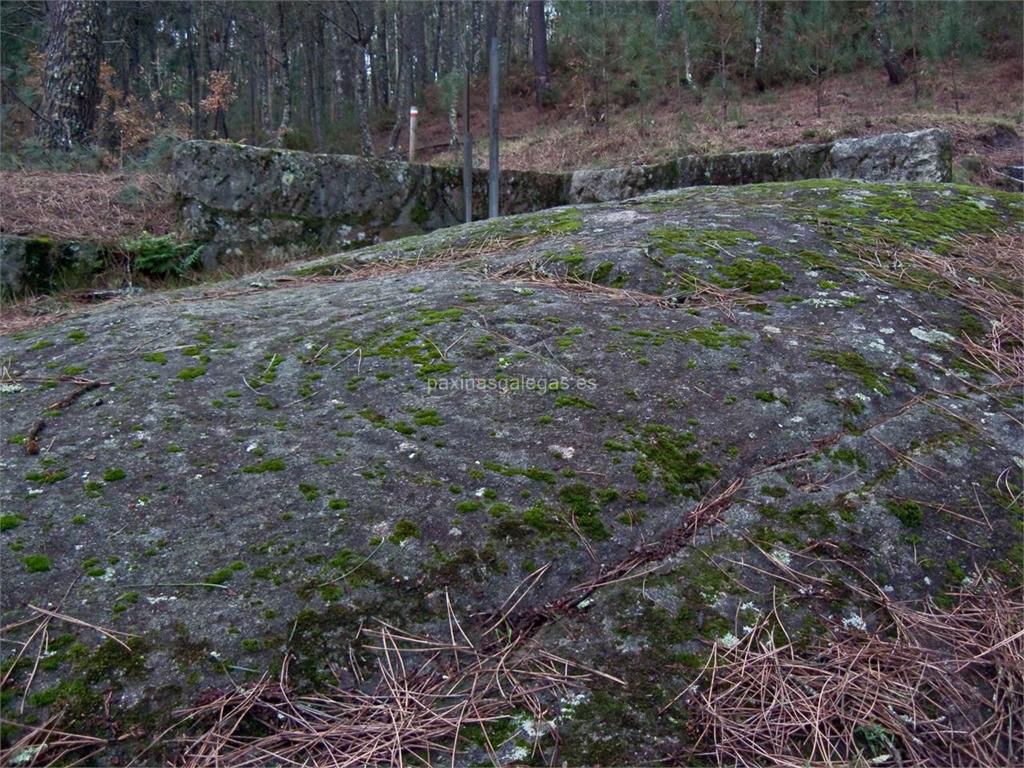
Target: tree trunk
[202,71]
[380,60]
[893,67]
[253,98]
[155,85]
[759,47]
[220,120]
[510,23]
[473,44]
[436,68]
[493,11]
[71,79]
[459,62]
[344,74]
[721,77]
[664,18]
[266,81]
[539,40]
[286,73]
[362,99]
[315,108]
[325,92]
[71,74]
[193,72]
[404,74]
[687,62]
[130,31]
[915,73]
[952,77]
[403,92]
[817,80]
[420,71]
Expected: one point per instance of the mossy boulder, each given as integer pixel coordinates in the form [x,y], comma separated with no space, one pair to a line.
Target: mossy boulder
[43,265]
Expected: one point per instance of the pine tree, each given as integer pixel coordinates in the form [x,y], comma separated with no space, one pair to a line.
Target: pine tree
[813,35]
[954,38]
[725,17]
[71,76]
[539,39]
[883,40]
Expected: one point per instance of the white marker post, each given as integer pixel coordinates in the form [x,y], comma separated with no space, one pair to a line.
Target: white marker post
[413,113]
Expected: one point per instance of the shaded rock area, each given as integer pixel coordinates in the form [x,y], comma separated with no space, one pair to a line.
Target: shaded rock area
[238,199]
[41,265]
[271,465]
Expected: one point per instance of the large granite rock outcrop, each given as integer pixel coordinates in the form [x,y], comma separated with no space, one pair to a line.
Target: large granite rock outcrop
[263,470]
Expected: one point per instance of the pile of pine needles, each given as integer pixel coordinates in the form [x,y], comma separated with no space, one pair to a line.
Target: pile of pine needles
[428,692]
[98,207]
[984,274]
[929,687]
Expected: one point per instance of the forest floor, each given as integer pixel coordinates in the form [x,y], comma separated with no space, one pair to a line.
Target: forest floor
[565,137]
[101,207]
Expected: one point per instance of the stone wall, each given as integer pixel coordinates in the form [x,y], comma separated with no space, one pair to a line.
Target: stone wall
[237,198]
[42,265]
[892,157]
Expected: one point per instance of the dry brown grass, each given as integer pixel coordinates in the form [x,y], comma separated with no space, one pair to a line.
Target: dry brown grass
[47,744]
[33,312]
[428,689]
[987,274]
[84,206]
[929,687]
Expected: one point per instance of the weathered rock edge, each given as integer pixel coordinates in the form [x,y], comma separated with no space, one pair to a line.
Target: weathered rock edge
[237,198]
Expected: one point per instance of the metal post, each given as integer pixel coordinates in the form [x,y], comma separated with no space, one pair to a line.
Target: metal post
[413,113]
[467,156]
[492,178]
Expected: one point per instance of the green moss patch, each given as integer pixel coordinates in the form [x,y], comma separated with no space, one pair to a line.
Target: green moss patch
[404,529]
[36,563]
[680,466]
[909,513]
[854,363]
[751,275]
[269,465]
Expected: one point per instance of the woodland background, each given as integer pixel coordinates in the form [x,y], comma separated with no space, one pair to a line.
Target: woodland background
[339,76]
[95,95]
